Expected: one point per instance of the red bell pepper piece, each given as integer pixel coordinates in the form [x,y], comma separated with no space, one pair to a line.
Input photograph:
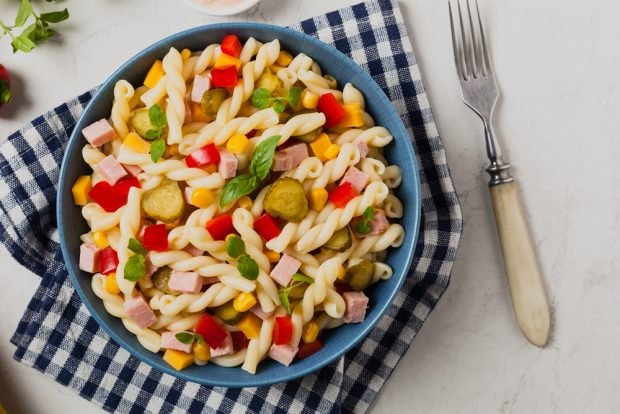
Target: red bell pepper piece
[282,330]
[305,350]
[342,194]
[231,45]
[211,331]
[155,238]
[267,227]
[220,226]
[203,156]
[113,197]
[108,261]
[224,77]
[240,341]
[334,112]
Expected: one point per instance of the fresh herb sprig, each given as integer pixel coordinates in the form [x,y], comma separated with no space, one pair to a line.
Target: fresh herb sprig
[261,99]
[135,268]
[365,224]
[36,32]
[283,293]
[188,338]
[248,268]
[158,120]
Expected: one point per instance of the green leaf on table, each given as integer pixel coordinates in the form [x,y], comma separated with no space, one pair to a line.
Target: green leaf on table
[22,43]
[236,188]
[262,158]
[299,277]
[261,98]
[283,296]
[185,337]
[56,16]
[294,94]
[247,267]
[136,247]
[235,247]
[23,13]
[158,147]
[135,268]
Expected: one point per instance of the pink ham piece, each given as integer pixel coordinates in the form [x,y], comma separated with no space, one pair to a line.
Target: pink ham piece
[225,347]
[358,179]
[99,133]
[150,268]
[379,223]
[282,162]
[258,311]
[356,303]
[133,170]
[228,164]
[202,83]
[193,250]
[139,311]
[284,354]
[110,169]
[89,258]
[362,146]
[298,153]
[185,282]
[285,269]
[169,341]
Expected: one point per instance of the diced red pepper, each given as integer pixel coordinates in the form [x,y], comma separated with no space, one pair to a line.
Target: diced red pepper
[267,227]
[220,226]
[211,331]
[231,45]
[240,341]
[113,197]
[334,112]
[342,194]
[224,77]
[155,238]
[108,261]
[203,156]
[282,330]
[305,350]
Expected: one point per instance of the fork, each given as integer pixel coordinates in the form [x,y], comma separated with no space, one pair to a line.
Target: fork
[480,93]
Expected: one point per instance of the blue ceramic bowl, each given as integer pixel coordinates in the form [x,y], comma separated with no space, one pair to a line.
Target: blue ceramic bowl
[338,341]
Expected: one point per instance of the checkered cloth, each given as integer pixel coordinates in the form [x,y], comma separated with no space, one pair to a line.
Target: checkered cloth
[57,335]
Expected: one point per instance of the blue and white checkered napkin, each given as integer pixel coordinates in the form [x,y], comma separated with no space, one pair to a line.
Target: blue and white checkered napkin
[57,336]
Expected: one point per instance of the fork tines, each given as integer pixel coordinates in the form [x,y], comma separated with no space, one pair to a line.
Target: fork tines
[470,49]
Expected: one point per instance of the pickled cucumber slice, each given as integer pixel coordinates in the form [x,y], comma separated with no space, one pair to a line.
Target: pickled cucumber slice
[228,314]
[360,276]
[161,278]
[140,121]
[212,100]
[340,241]
[287,200]
[269,81]
[164,202]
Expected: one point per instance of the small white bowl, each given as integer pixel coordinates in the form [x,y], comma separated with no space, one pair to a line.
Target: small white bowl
[221,7]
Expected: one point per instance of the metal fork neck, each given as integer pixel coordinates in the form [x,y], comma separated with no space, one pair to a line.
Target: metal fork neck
[499,170]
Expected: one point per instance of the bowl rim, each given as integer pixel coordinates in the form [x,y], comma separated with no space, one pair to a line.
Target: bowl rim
[370,322]
[213,11]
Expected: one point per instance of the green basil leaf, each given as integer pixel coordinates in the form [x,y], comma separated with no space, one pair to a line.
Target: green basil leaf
[185,337]
[279,105]
[5,92]
[299,277]
[294,94]
[262,158]
[157,117]
[24,12]
[136,247]
[261,98]
[236,188]
[22,43]
[235,247]
[369,213]
[363,227]
[29,31]
[152,134]
[158,147]
[283,295]
[55,17]
[135,268]
[247,267]
[200,339]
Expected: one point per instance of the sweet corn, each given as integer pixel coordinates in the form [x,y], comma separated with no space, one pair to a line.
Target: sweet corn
[332,151]
[309,100]
[284,59]
[210,168]
[171,150]
[202,197]
[201,351]
[134,142]
[318,198]
[110,284]
[250,325]
[155,74]
[274,257]
[197,114]
[320,145]
[80,190]
[244,301]
[225,60]
[354,116]
[310,332]
[237,144]
[186,53]
[341,272]
[101,240]
[178,360]
[245,202]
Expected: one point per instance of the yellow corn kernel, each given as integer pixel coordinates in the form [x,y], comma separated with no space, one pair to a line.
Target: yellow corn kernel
[250,325]
[284,59]
[237,144]
[210,168]
[354,116]
[201,351]
[309,99]
[320,145]
[155,74]
[101,240]
[110,284]
[202,197]
[274,257]
[332,151]
[245,202]
[244,301]
[318,198]
[225,60]
[186,53]
[178,360]
[341,272]
[80,190]
[134,142]
[310,332]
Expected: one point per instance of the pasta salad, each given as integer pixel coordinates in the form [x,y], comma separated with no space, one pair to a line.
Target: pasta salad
[239,204]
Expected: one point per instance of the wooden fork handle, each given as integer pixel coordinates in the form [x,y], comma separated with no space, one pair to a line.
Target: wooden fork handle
[524,278]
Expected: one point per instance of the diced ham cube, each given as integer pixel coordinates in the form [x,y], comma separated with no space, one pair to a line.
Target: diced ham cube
[358,179]
[169,341]
[356,303]
[258,311]
[228,164]
[139,311]
[110,169]
[362,146]
[202,83]
[225,347]
[284,354]
[285,269]
[185,282]
[150,268]
[99,133]
[133,170]
[193,250]
[298,153]
[89,258]
[282,162]
[379,223]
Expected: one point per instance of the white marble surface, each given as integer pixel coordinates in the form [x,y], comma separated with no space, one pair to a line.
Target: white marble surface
[557,63]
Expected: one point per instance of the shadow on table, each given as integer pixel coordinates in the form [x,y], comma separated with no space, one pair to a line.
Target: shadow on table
[15,400]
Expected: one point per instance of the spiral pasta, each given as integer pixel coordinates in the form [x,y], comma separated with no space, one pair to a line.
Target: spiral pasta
[175,88]
[123,93]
